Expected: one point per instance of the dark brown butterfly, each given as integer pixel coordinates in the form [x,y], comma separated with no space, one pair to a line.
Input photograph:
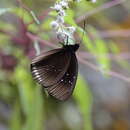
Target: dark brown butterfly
[57,70]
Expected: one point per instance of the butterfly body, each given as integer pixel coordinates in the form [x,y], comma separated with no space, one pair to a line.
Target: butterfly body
[71,48]
[56,71]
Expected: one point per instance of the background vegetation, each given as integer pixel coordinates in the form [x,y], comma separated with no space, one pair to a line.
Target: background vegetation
[101,97]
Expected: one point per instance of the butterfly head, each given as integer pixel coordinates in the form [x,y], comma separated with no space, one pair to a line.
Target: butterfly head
[72,48]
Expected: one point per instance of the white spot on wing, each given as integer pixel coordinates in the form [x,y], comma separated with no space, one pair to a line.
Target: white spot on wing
[61,80]
[35,70]
[67,74]
[37,76]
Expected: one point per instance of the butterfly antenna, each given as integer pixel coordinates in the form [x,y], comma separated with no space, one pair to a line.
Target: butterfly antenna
[67,40]
[83,32]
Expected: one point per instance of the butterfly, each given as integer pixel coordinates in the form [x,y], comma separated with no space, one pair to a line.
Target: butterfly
[56,71]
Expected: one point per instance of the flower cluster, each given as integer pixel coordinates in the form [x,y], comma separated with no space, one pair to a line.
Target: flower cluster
[64,33]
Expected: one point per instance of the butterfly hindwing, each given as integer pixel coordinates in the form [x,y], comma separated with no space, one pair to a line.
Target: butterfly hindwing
[63,89]
[47,69]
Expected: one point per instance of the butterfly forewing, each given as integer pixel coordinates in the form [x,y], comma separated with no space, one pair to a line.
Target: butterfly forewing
[63,89]
[45,55]
[49,68]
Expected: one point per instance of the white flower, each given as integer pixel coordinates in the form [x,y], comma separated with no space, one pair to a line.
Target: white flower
[57,7]
[60,20]
[61,12]
[64,33]
[66,37]
[54,25]
[71,29]
[64,4]
[61,36]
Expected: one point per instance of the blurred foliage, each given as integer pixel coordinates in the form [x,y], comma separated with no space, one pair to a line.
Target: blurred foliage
[29,106]
[84,101]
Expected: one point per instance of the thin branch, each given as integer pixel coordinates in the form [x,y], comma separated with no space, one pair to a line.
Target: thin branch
[23,5]
[114,33]
[41,16]
[6,32]
[110,73]
[98,9]
[36,20]
[37,48]
[120,56]
[34,37]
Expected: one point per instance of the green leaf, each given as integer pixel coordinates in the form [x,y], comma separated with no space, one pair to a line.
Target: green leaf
[86,40]
[26,88]
[16,121]
[46,24]
[83,98]
[116,50]
[22,13]
[69,18]
[113,47]
[30,98]
[101,49]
